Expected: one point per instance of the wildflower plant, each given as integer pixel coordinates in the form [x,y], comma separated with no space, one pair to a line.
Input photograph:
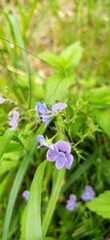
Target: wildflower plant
[76,151]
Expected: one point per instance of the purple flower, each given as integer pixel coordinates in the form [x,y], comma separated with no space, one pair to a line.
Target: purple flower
[41,108]
[71,202]
[2,100]
[13,120]
[88,193]
[45,118]
[43,142]
[44,114]
[15,114]
[60,154]
[13,123]
[58,107]
[25,195]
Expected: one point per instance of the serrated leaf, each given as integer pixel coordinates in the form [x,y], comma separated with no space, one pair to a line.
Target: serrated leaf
[101,204]
[33,214]
[71,56]
[50,58]
[57,87]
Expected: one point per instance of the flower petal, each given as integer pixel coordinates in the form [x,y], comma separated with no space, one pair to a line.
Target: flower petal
[88,193]
[58,107]
[42,141]
[52,154]
[63,146]
[2,100]
[60,162]
[15,114]
[13,123]
[41,108]
[69,161]
[45,118]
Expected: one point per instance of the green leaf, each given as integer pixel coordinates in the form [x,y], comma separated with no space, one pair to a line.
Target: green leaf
[100,95]
[18,181]
[12,21]
[52,201]
[33,215]
[103,119]
[101,204]
[5,140]
[57,86]
[7,165]
[71,56]
[50,58]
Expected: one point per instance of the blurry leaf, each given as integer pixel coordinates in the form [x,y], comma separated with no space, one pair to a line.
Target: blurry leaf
[14,146]
[100,95]
[48,238]
[71,55]
[101,204]
[69,58]
[51,59]
[33,213]
[3,184]
[22,224]
[105,164]
[5,140]
[57,87]
[103,119]
[7,165]
[12,21]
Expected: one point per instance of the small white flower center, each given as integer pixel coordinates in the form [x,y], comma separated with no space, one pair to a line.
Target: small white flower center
[62,153]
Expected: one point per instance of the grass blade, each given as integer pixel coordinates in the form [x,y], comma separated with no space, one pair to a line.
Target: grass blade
[17,183]
[33,216]
[12,19]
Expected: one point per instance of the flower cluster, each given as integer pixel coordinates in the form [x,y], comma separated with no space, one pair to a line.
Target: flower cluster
[58,152]
[87,195]
[13,122]
[44,114]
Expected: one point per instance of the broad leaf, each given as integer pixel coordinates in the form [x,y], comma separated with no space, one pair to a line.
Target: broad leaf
[71,56]
[50,58]
[57,86]
[101,204]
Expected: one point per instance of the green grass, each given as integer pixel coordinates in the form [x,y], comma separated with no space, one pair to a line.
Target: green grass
[27,29]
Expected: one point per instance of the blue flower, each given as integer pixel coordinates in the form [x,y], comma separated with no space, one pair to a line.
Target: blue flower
[60,153]
[71,202]
[25,195]
[43,142]
[88,193]
[58,107]
[2,100]
[44,114]
[13,120]
[41,108]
